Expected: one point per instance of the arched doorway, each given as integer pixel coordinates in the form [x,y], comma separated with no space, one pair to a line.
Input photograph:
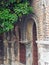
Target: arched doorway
[29,47]
[35,50]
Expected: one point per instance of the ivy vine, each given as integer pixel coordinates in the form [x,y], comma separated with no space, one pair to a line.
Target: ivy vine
[10,11]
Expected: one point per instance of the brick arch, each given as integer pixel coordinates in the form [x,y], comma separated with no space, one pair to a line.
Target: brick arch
[34,18]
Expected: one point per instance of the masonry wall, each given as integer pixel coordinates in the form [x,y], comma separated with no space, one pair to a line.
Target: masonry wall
[41,10]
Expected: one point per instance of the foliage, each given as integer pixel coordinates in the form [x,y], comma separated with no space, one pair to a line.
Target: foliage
[10,11]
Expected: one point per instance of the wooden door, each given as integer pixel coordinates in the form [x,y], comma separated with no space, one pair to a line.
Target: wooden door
[22,53]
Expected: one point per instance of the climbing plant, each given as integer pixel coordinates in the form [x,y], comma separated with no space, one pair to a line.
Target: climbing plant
[10,11]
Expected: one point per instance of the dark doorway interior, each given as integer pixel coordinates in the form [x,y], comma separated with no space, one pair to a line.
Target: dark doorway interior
[35,51]
[22,53]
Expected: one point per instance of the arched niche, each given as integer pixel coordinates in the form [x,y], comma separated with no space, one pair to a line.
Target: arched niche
[31,47]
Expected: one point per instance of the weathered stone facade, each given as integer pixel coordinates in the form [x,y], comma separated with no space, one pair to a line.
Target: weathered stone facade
[33,33]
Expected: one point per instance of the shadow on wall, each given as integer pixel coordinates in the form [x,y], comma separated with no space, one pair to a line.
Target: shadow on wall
[1,50]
